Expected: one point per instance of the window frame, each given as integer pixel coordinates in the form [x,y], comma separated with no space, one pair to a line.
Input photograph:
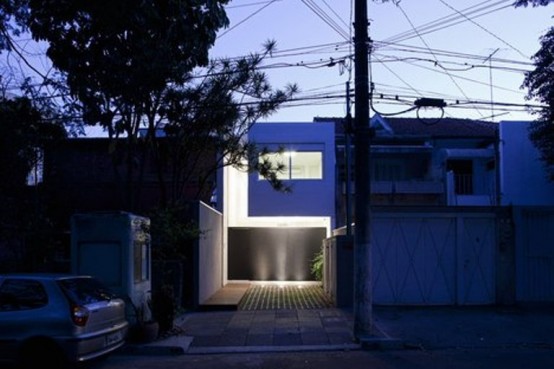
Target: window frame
[288,162]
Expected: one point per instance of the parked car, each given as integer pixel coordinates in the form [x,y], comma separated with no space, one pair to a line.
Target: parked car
[58,319]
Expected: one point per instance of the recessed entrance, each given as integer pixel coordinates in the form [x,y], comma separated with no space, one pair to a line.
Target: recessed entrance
[273,254]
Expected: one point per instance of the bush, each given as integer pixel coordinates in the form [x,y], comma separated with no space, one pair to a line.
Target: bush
[317,266]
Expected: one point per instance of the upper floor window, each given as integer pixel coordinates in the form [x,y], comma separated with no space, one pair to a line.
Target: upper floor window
[388,170]
[297,164]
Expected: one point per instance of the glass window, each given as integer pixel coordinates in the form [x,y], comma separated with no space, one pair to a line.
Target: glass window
[297,164]
[84,291]
[22,294]
[306,165]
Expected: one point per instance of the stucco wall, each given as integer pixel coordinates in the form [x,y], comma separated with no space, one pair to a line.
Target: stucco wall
[210,252]
[308,197]
[523,179]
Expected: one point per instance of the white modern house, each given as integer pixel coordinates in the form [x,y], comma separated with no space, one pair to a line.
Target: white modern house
[274,235]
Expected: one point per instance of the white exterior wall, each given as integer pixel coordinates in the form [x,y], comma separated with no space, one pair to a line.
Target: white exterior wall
[523,179]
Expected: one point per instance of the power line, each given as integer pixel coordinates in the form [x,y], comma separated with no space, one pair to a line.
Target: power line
[326,18]
[434,56]
[486,30]
[249,4]
[247,18]
[450,21]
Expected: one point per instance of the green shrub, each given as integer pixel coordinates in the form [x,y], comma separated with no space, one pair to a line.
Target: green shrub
[317,266]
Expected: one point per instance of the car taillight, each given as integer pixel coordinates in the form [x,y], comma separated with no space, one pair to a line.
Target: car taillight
[79,315]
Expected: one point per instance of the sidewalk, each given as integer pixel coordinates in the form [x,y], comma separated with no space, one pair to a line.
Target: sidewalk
[423,328]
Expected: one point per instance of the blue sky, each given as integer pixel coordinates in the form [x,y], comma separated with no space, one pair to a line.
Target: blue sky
[422,48]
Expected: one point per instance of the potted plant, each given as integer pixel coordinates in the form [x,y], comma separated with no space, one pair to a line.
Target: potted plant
[143,327]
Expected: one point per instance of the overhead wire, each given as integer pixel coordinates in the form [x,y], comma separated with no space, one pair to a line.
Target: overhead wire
[233,6]
[434,56]
[385,46]
[486,30]
[338,47]
[246,19]
[322,14]
[450,21]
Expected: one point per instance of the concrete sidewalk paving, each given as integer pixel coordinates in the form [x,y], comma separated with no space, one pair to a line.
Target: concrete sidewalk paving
[332,329]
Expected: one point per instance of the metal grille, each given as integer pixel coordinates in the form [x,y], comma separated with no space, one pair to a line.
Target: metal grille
[278,296]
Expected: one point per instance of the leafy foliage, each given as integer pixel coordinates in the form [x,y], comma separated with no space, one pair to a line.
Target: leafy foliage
[140,70]
[540,86]
[172,235]
[118,55]
[316,266]
[532,2]
[24,131]
[13,14]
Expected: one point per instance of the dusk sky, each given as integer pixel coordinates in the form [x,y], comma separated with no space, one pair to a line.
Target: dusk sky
[422,48]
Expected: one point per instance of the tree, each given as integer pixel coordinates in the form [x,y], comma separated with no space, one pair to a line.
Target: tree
[540,86]
[131,65]
[532,2]
[12,20]
[24,131]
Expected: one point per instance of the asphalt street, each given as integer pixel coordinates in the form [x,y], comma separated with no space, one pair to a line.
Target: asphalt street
[477,358]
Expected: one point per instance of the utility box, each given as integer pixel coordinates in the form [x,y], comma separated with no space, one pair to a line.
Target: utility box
[115,248]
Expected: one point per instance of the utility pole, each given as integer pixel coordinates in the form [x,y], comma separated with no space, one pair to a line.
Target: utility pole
[347,127]
[363,300]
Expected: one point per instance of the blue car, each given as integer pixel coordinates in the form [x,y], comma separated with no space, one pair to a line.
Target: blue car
[58,320]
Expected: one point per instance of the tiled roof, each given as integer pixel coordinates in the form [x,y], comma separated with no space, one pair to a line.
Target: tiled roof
[445,127]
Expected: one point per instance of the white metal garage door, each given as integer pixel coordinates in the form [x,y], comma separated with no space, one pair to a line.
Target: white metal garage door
[433,259]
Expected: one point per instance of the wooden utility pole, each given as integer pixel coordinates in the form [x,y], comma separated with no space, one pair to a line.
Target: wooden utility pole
[363,323]
[347,127]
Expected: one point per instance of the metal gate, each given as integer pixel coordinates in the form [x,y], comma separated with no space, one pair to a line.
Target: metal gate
[535,254]
[422,258]
[433,258]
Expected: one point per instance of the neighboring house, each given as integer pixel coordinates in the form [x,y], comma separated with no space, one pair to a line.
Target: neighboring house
[416,162]
[274,235]
[83,175]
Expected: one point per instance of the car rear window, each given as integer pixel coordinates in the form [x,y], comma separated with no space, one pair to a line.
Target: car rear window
[85,291]
[22,294]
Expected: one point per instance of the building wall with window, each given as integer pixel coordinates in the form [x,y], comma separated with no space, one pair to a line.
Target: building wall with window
[307,153]
[272,235]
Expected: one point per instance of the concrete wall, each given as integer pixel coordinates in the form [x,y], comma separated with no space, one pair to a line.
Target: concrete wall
[523,179]
[210,252]
[534,237]
[338,254]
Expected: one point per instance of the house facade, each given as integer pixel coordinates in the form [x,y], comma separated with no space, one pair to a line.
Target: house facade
[275,235]
[414,162]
